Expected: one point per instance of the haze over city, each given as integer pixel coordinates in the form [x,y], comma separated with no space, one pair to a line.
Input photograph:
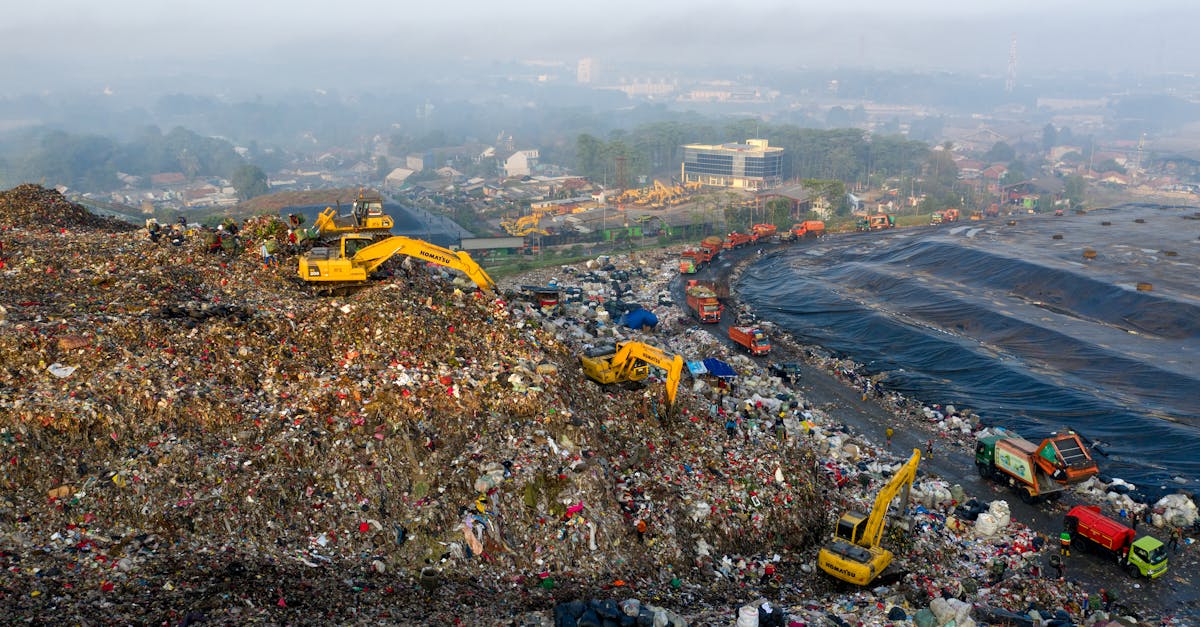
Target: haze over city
[128,45]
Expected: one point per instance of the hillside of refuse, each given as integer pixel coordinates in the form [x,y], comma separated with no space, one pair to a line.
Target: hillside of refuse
[193,437]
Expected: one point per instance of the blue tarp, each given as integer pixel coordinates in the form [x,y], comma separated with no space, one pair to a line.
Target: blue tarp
[718,368]
[639,318]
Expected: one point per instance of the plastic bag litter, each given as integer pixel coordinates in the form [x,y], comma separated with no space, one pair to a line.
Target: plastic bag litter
[61,371]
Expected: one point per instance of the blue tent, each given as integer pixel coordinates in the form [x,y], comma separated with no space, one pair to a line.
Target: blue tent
[718,368]
[639,318]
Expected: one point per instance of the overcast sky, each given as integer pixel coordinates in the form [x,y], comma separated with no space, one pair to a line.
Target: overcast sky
[65,43]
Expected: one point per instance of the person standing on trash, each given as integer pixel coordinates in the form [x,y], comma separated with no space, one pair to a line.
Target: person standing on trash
[889,433]
[1064,543]
[1173,543]
[268,257]
[730,427]
[929,448]
[640,527]
[1109,599]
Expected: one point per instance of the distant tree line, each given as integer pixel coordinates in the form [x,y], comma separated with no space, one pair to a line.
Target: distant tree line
[92,162]
[655,150]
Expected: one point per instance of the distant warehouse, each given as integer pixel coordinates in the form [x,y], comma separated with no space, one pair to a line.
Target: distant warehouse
[751,166]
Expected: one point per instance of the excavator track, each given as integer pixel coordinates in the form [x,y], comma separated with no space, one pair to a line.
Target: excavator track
[338,288]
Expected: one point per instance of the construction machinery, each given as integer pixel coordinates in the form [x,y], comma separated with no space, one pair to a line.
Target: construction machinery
[855,555]
[630,361]
[525,225]
[366,216]
[347,263]
[1036,471]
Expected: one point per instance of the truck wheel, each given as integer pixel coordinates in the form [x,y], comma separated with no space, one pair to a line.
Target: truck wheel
[985,470]
[1027,498]
[1132,570]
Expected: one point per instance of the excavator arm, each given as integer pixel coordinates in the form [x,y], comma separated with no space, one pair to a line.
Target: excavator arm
[374,255]
[901,483]
[854,554]
[630,352]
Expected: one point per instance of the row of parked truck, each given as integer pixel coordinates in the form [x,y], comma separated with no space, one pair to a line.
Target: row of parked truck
[692,260]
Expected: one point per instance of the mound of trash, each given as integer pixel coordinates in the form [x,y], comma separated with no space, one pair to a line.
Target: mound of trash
[181,420]
[33,206]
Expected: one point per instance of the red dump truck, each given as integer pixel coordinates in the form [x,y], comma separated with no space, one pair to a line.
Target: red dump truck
[809,228]
[703,302]
[752,339]
[1092,531]
[737,240]
[761,232]
[688,262]
[710,248]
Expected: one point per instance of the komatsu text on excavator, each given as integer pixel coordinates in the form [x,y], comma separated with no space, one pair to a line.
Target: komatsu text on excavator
[854,555]
[348,262]
[631,361]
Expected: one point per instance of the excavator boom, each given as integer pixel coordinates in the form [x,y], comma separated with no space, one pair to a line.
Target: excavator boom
[626,365]
[355,259]
[855,555]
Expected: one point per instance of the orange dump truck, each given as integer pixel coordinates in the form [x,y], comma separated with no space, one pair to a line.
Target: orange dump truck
[737,240]
[809,228]
[688,262]
[703,302]
[752,339]
[761,232]
[1036,471]
[710,248]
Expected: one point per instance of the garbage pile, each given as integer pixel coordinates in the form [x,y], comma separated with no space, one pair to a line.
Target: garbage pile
[194,437]
[35,207]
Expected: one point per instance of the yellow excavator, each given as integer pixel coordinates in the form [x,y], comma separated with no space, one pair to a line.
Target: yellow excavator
[854,554]
[366,216]
[346,264]
[631,361]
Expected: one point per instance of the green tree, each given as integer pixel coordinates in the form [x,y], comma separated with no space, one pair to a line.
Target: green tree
[1074,187]
[1049,137]
[780,212]
[249,181]
[1015,174]
[1000,153]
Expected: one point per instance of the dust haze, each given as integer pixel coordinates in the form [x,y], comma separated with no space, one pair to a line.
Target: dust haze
[231,48]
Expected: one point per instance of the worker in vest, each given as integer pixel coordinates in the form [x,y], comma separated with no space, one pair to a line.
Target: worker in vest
[1064,542]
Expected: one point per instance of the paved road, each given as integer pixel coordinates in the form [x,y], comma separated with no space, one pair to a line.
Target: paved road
[1174,593]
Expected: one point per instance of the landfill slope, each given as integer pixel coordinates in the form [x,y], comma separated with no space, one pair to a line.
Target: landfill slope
[193,437]
[192,432]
